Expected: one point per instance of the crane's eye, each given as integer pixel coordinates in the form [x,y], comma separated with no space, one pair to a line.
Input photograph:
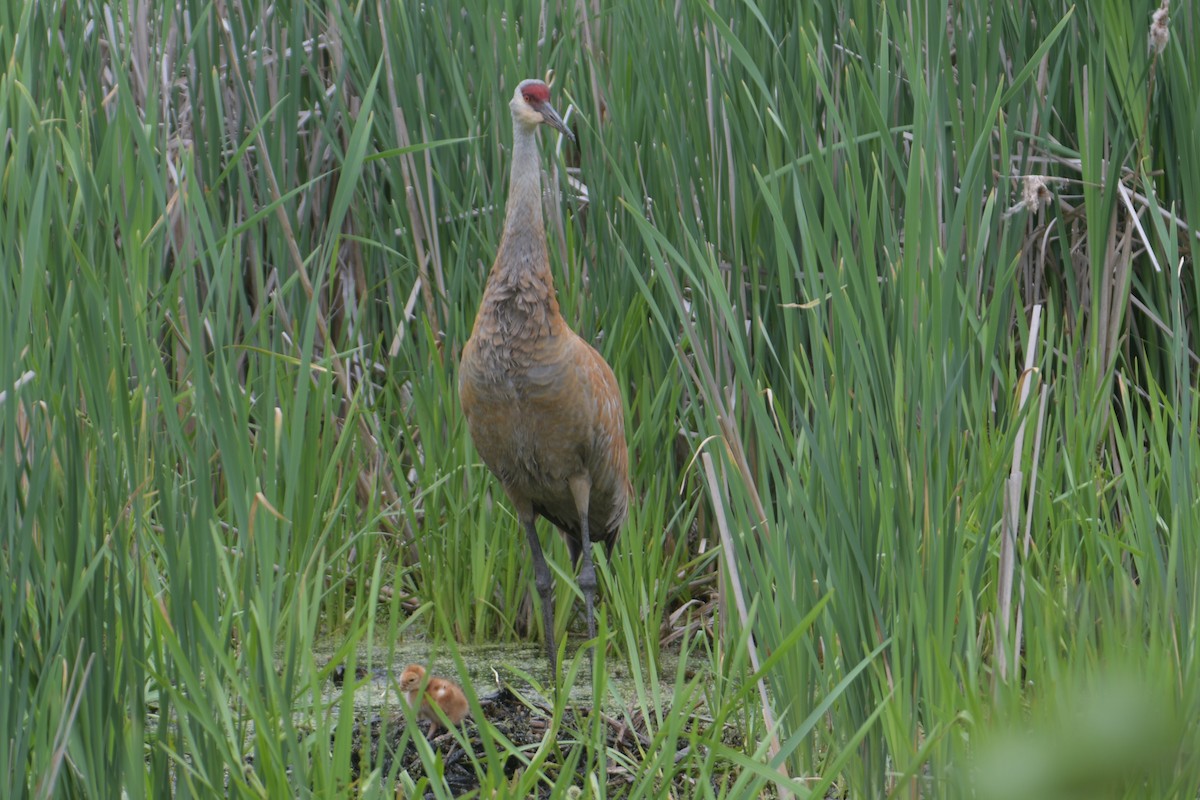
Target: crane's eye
[529,99]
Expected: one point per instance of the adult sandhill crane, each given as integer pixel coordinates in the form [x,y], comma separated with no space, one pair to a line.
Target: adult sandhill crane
[542,405]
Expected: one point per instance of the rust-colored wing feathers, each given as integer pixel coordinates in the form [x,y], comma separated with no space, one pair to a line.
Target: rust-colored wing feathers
[610,454]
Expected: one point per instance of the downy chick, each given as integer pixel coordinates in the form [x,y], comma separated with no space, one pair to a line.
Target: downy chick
[440,692]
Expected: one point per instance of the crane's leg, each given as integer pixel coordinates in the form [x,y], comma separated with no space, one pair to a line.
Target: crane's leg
[581,489]
[541,579]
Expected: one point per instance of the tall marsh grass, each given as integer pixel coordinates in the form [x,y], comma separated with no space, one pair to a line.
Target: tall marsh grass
[903,298]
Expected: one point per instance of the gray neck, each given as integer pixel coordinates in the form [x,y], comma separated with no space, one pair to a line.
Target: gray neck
[523,213]
[519,298]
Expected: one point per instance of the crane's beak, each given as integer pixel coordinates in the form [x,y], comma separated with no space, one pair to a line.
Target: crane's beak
[551,118]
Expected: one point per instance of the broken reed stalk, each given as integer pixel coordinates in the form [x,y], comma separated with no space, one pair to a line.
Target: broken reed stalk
[1012,513]
[728,558]
[21,381]
[1028,540]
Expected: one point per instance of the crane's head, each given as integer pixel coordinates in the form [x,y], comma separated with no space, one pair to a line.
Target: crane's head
[411,678]
[531,106]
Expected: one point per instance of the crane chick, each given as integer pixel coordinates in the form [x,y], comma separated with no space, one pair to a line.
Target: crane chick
[543,407]
[439,692]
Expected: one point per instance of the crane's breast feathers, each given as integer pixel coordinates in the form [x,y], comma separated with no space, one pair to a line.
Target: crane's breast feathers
[547,416]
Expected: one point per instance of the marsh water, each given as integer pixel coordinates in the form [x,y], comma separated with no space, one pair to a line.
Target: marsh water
[487,669]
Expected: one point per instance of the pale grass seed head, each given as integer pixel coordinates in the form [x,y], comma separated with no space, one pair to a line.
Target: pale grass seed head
[1160,32]
[1035,193]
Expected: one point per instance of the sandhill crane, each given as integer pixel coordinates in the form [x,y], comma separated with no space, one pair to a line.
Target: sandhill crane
[440,692]
[542,405]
